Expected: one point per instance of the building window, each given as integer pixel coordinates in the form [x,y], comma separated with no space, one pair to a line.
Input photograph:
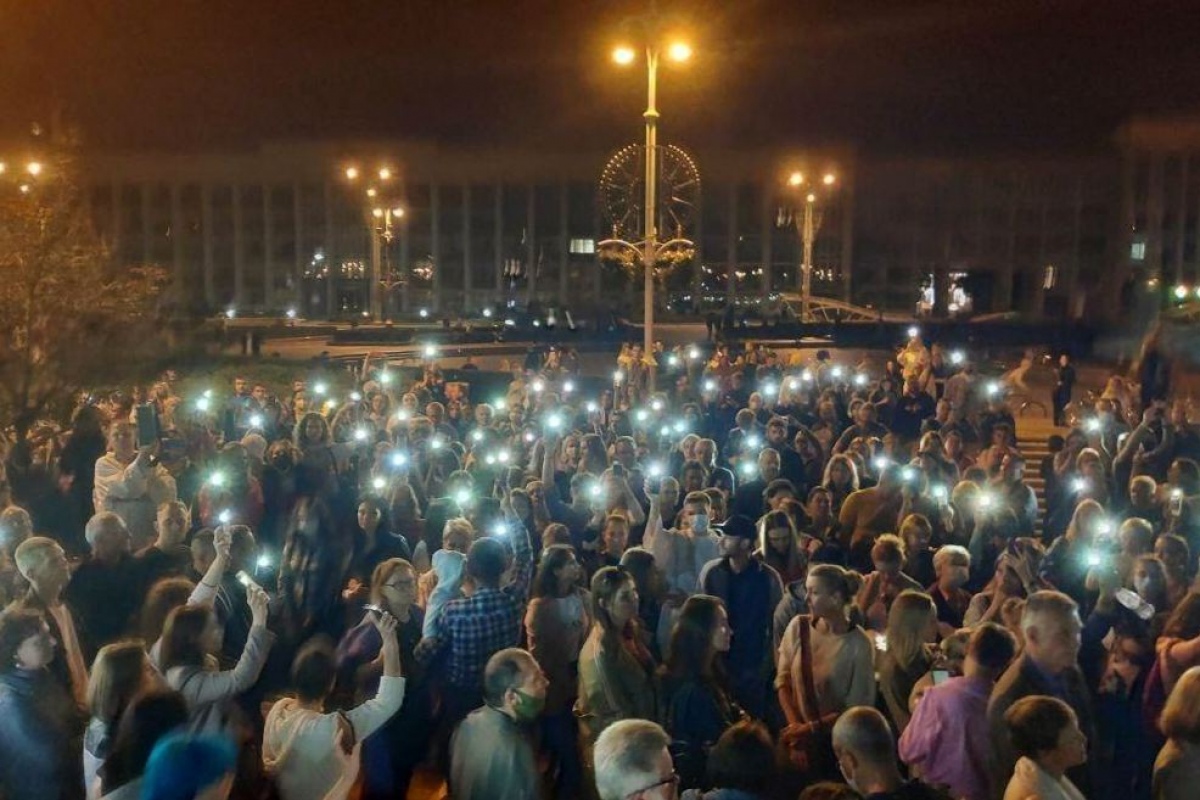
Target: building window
[1137,251]
[1050,277]
[585,247]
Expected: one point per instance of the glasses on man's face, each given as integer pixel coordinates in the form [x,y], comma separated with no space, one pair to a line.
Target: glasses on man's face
[672,780]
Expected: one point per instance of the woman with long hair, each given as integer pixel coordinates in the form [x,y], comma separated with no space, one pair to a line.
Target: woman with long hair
[911,631]
[121,671]
[779,547]
[1067,564]
[616,669]
[826,664]
[697,707]
[190,643]
[149,717]
[556,623]
[840,480]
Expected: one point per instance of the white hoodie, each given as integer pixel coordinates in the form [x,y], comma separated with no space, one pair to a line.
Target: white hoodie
[301,748]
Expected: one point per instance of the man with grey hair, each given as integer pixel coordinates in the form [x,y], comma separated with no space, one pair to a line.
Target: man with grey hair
[106,590]
[866,756]
[632,762]
[1049,666]
[42,562]
[491,757]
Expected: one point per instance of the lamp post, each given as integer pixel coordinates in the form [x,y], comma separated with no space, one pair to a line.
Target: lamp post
[680,52]
[807,226]
[379,219]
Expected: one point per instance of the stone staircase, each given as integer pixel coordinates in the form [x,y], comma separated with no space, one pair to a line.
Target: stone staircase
[1032,433]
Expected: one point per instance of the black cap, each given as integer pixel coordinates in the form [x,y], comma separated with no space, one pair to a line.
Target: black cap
[740,526]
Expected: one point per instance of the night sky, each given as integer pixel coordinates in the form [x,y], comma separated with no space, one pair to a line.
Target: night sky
[931,77]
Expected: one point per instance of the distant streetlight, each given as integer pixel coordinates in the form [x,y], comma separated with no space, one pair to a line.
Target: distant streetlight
[34,168]
[380,232]
[807,226]
[624,55]
[679,51]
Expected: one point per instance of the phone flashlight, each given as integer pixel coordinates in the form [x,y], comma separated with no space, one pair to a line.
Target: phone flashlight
[538,386]
[462,497]
[656,404]
[693,353]
[477,436]
[499,529]
[655,470]
[986,500]
[1177,494]
[993,388]
[793,384]
[618,376]
[592,408]
[356,397]
[752,441]
[529,437]
[385,377]
[431,351]
[256,421]
[399,459]
[217,479]
[880,463]
[837,372]
[378,483]
[596,490]
[642,415]
[1092,425]
[673,360]
[225,517]
[554,422]
[1079,485]
[908,474]
[939,492]
[860,380]
[806,375]
[320,388]
[957,357]
[913,332]
[769,389]
[710,386]
[501,404]
[360,434]
[263,561]
[749,468]
[568,387]
[435,442]
[679,426]
[1093,558]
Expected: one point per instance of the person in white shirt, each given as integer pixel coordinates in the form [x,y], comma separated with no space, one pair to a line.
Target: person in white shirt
[681,552]
[129,484]
[1045,734]
[314,755]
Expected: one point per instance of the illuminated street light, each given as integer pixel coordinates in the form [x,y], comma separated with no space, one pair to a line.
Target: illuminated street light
[34,168]
[3,167]
[372,192]
[377,213]
[807,224]
[397,212]
[384,173]
[351,173]
[650,249]
[679,51]
[1181,292]
[624,55]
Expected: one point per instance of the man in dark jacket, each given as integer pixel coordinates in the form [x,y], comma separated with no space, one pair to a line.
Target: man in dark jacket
[1049,666]
[751,591]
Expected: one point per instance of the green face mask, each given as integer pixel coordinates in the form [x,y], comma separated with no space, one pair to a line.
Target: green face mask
[528,707]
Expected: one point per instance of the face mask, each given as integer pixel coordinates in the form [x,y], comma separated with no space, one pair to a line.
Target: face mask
[700,523]
[527,707]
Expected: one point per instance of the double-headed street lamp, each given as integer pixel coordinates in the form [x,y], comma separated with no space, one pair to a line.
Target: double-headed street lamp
[380,218]
[625,55]
[807,226]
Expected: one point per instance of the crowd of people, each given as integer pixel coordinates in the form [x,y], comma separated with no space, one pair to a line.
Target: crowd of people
[771,578]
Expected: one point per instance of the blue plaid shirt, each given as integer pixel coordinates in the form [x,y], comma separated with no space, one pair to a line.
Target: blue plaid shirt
[477,627]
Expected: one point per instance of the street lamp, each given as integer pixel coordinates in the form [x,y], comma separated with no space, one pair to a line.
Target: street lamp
[678,51]
[381,231]
[807,226]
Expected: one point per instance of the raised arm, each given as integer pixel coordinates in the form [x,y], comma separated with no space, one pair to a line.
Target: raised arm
[369,716]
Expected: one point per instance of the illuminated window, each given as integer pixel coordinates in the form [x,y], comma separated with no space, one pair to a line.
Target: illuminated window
[1050,277]
[1138,251]
[583,246]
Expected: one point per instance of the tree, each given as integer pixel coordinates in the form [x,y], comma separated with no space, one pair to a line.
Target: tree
[70,318]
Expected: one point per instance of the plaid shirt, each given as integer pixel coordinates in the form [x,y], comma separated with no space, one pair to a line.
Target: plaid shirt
[477,627]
